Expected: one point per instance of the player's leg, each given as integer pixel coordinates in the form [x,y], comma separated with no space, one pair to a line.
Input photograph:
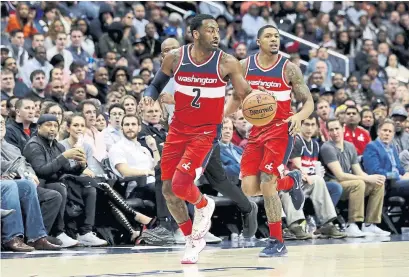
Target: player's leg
[217,178]
[190,167]
[272,204]
[278,149]
[171,155]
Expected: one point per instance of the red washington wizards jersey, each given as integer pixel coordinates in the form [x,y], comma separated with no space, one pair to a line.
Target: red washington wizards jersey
[272,79]
[199,90]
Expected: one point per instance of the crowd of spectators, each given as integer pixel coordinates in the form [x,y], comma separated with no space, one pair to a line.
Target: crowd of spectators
[73,74]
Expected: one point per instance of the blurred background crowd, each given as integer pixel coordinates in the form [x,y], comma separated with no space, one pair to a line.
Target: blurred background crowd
[73,74]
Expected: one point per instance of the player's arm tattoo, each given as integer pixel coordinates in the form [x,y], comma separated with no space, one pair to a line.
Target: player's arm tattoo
[294,76]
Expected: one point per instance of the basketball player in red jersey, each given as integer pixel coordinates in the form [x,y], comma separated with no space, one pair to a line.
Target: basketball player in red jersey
[269,146]
[200,72]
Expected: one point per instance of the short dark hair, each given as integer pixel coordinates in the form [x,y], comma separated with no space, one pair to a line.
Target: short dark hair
[134,116]
[116,105]
[14,32]
[366,110]
[261,30]
[20,102]
[76,29]
[35,73]
[36,34]
[352,107]
[7,72]
[80,107]
[197,21]
[69,118]
[333,120]
[312,116]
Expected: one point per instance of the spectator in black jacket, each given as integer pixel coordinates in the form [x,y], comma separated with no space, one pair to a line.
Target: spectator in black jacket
[20,130]
[50,162]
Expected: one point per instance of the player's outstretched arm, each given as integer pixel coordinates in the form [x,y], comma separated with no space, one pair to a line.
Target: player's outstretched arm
[162,77]
[232,68]
[301,91]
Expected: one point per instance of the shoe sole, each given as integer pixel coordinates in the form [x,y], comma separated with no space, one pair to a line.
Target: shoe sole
[200,235]
[253,215]
[189,262]
[282,254]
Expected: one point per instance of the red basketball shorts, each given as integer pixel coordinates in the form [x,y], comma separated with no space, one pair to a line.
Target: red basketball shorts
[267,151]
[188,149]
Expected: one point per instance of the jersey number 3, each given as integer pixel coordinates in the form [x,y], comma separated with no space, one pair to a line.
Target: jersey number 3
[195,103]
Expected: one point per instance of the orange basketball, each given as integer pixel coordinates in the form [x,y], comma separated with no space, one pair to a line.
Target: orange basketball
[259,108]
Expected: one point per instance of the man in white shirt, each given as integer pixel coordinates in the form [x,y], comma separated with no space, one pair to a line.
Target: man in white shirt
[112,133]
[59,48]
[38,62]
[128,158]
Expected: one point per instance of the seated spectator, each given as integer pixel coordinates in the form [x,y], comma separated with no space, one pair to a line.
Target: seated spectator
[101,122]
[20,130]
[27,188]
[76,95]
[92,136]
[151,126]
[324,196]
[323,111]
[112,134]
[401,138]
[38,83]
[18,195]
[130,105]
[20,89]
[23,19]
[341,165]
[38,62]
[7,84]
[59,48]
[240,133]
[368,122]
[49,199]
[76,129]
[76,49]
[354,133]
[381,157]
[128,158]
[230,154]
[50,161]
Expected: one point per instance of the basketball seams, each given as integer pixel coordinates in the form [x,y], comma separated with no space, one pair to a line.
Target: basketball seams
[262,115]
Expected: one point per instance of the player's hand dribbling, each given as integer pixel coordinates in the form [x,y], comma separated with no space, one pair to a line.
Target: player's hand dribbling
[148,101]
[295,124]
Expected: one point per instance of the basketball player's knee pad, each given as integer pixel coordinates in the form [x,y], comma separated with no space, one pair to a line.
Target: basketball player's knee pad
[184,188]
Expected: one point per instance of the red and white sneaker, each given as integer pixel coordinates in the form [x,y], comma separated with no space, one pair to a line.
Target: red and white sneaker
[192,250]
[203,219]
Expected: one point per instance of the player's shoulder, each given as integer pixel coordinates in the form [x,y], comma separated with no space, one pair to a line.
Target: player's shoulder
[227,58]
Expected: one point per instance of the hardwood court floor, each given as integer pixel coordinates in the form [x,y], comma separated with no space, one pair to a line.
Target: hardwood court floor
[350,257]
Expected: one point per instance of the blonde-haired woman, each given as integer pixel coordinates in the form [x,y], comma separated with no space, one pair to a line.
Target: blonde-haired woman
[130,104]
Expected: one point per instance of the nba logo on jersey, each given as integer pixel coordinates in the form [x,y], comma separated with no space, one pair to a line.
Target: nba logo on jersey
[186,166]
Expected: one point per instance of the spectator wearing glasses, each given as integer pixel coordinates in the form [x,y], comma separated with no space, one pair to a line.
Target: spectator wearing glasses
[113,133]
[381,157]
